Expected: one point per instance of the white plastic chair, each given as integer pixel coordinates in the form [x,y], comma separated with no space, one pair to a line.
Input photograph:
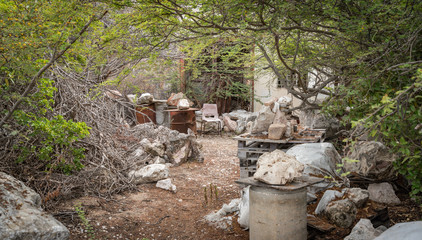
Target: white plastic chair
[210,114]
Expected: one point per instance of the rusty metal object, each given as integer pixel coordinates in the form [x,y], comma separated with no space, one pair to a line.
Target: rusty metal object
[182,120]
[145,114]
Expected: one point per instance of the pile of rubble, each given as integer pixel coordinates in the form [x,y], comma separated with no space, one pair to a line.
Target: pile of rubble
[160,148]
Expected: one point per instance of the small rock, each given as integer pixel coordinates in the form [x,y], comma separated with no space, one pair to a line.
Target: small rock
[183,104]
[363,230]
[341,212]
[159,160]
[156,148]
[310,197]
[166,185]
[358,196]
[328,196]
[150,173]
[278,168]
[276,131]
[383,193]
[230,124]
[146,98]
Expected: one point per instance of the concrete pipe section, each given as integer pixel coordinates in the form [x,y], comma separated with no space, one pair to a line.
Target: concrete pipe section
[276,214]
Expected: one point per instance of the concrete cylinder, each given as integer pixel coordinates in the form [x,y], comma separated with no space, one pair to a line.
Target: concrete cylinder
[276,214]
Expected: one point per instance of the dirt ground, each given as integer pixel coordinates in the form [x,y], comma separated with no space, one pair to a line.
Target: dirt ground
[153,213]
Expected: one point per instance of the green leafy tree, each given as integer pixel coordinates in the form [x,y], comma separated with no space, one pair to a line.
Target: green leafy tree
[367,53]
[35,35]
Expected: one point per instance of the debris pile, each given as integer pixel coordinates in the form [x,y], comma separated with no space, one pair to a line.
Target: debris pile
[159,144]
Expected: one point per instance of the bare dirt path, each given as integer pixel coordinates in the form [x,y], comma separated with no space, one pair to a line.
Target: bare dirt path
[154,213]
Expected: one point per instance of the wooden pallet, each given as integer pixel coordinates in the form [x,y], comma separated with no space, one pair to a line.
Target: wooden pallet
[249,149]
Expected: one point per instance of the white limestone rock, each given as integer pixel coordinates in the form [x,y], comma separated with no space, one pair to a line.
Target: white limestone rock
[166,184]
[278,168]
[21,216]
[146,98]
[150,173]
[183,104]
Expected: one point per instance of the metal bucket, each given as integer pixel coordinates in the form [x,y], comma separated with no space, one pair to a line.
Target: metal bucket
[276,214]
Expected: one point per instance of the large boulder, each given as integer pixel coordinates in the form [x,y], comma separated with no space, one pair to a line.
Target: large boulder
[342,212]
[242,117]
[374,161]
[318,158]
[263,121]
[21,216]
[314,119]
[403,231]
[363,230]
[150,173]
[382,193]
[277,168]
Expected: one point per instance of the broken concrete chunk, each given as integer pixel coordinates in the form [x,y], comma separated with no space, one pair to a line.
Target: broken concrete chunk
[383,193]
[277,168]
[166,185]
[276,131]
[21,216]
[150,173]
[342,212]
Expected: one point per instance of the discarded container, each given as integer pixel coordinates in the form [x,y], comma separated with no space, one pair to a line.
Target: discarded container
[145,113]
[182,120]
